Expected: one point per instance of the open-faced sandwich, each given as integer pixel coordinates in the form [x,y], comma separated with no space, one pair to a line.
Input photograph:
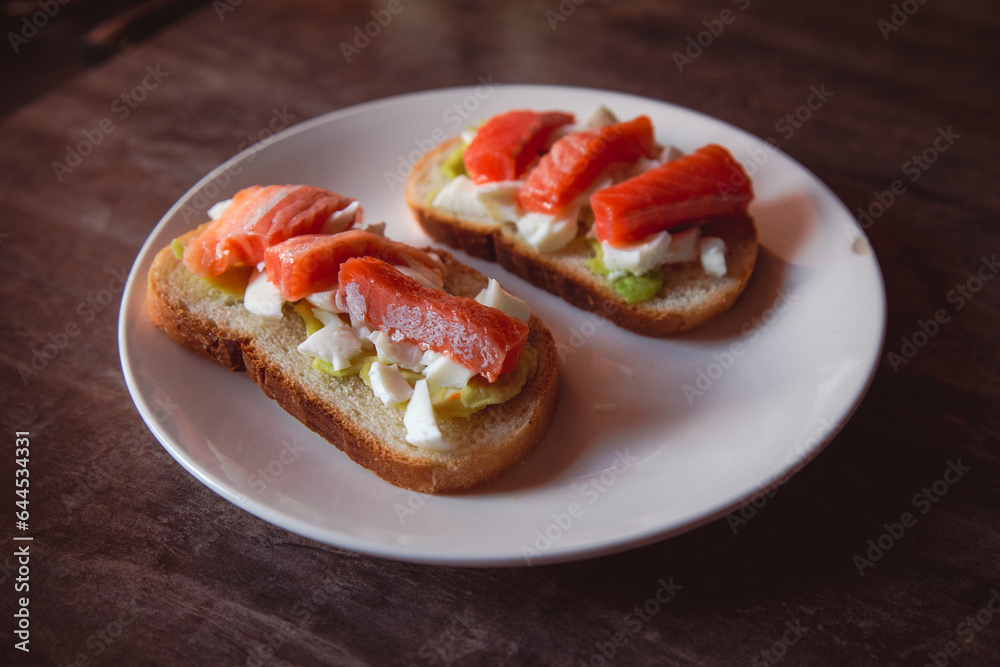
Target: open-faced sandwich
[416,366]
[599,214]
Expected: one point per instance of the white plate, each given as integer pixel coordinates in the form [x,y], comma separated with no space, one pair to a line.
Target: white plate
[632,456]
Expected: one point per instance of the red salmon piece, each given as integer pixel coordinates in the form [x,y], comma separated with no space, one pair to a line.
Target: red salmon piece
[258,218]
[480,338]
[306,264]
[506,145]
[706,183]
[576,160]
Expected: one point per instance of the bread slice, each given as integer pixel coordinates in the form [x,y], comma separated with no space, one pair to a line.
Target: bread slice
[689,296]
[344,410]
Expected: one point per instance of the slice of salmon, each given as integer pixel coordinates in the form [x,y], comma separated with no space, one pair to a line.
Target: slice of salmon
[480,338]
[259,217]
[303,265]
[576,160]
[506,145]
[708,182]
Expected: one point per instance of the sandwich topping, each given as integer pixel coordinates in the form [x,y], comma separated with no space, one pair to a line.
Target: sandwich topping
[372,307]
[303,265]
[638,205]
[480,338]
[506,145]
[258,217]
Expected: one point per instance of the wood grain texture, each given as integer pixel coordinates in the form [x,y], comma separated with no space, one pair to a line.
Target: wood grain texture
[135,562]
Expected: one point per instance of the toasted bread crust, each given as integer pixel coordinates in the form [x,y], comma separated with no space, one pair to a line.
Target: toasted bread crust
[343,410]
[688,298]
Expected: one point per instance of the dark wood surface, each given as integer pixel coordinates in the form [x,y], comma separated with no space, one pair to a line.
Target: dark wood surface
[134,562]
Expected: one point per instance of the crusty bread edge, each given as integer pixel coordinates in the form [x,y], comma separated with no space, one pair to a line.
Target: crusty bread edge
[535,405]
[582,289]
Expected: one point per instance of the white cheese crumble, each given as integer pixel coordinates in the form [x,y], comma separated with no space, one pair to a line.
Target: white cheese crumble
[336,343]
[218,208]
[548,233]
[342,219]
[443,372]
[500,199]
[388,384]
[425,278]
[495,296]
[325,301]
[421,426]
[401,353]
[713,256]
[636,258]
[683,247]
[459,196]
[600,117]
[655,250]
[262,297]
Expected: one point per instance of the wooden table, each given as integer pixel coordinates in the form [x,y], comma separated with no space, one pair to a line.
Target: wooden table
[135,562]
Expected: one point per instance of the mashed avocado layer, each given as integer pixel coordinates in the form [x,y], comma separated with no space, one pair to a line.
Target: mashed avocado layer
[454,165]
[634,289]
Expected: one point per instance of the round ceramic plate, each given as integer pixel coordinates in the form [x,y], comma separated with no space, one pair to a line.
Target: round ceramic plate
[651,437]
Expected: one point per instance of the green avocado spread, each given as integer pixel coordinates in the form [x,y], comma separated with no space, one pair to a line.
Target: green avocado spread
[634,289]
[454,165]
